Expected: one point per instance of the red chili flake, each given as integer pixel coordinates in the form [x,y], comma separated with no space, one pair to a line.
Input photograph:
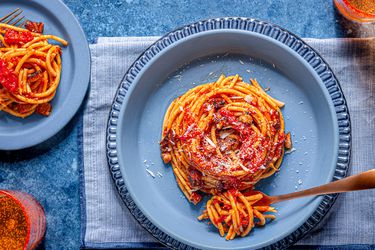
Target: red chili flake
[36,27]
[233,192]
[15,60]
[216,201]
[227,206]
[195,178]
[18,37]
[7,77]
[195,198]
[44,109]
[221,219]
[23,108]
[217,102]
[244,220]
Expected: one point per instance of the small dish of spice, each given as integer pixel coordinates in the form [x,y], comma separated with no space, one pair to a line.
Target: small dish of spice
[22,221]
[357,10]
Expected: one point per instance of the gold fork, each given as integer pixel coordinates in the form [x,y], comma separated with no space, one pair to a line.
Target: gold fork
[362,181]
[8,18]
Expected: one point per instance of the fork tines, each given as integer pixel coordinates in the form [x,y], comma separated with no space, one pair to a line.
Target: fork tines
[8,19]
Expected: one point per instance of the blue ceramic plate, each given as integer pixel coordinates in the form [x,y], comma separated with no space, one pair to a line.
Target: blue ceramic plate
[315,113]
[18,133]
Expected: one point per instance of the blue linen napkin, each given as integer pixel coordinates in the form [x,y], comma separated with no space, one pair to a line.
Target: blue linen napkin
[106,222]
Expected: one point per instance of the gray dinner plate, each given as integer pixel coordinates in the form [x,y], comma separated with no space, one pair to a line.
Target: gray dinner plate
[315,112]
[17,133]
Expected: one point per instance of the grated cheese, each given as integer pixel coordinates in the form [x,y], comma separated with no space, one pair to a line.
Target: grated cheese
[248,99]
[151,173]
[210,142]
[290,151]
[236,97]
[189,128]
[224,134]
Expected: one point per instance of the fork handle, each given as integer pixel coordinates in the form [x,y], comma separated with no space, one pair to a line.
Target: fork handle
[364,180]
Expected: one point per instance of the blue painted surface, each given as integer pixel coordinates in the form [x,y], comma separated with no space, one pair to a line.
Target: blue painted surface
[307,18]
[53,176]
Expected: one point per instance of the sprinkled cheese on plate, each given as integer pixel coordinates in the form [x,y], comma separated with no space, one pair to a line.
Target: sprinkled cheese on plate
[151,173]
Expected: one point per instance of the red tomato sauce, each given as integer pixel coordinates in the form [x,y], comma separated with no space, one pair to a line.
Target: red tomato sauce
[8,79]
[18,37]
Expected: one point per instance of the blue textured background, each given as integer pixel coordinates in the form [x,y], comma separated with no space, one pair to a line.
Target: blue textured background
[53,176]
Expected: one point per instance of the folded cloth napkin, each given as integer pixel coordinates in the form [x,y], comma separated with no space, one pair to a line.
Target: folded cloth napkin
[106,222]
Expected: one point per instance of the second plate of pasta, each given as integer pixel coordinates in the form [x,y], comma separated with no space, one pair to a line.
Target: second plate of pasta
[44,94]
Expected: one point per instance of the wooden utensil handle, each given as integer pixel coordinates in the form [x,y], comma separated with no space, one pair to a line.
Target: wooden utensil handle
[365,180]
